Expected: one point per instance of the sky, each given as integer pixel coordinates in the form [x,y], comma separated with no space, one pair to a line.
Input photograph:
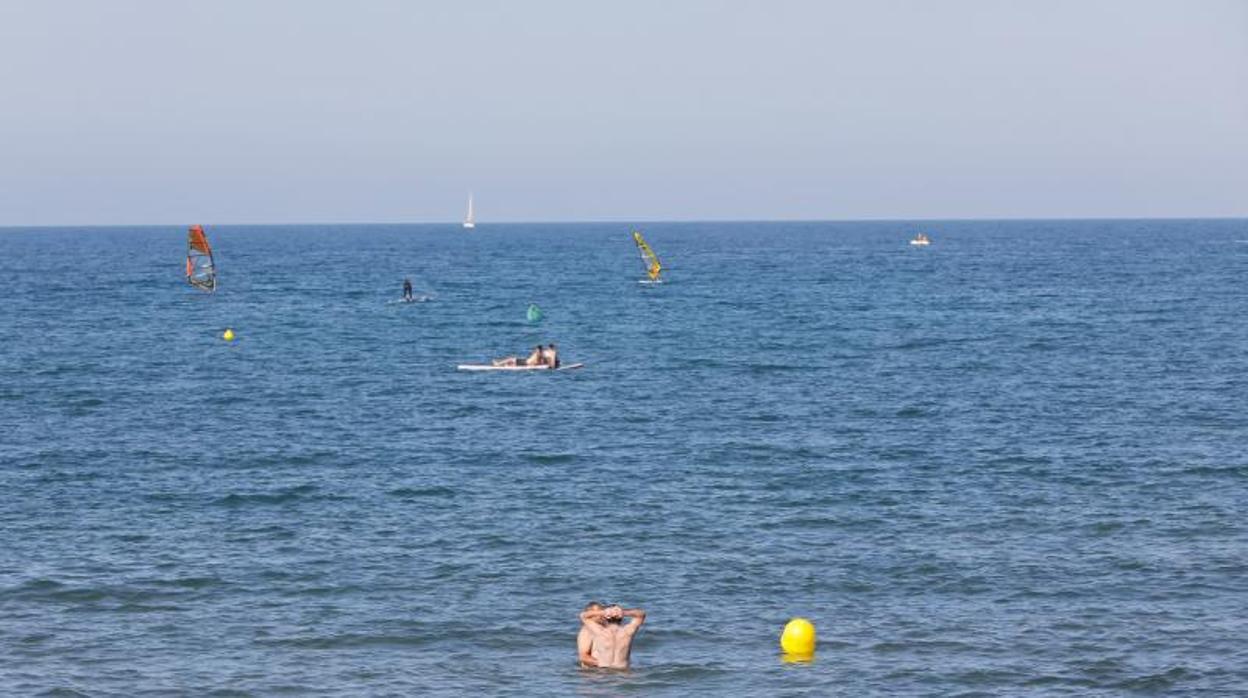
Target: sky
[296,111]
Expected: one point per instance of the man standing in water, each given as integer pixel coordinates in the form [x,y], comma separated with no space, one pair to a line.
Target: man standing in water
[585,639]
[407,290]
[611,640]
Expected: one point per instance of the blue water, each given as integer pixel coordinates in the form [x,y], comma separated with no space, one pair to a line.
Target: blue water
[1015,462]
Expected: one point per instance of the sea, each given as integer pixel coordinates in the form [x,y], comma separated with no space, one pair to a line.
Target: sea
[1014,462]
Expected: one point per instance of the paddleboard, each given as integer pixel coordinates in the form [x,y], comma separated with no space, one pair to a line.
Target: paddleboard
[488,367]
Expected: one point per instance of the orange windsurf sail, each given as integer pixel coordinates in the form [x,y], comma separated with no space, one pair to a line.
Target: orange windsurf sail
[201,268]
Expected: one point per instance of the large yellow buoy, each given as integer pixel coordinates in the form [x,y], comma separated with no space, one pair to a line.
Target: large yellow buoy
[229,335]
[798,637]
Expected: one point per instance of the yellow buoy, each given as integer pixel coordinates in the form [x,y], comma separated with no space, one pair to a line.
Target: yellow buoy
[798,637]
[229,335]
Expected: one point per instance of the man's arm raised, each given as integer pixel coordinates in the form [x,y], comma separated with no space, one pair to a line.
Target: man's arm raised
[639,618]
[589,621]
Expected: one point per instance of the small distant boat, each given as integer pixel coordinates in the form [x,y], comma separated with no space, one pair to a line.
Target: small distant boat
[469,221]
[649,258]
[921,239]
[201,268]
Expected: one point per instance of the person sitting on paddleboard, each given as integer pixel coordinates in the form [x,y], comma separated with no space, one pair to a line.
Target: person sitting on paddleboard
[407,290]
[550,356]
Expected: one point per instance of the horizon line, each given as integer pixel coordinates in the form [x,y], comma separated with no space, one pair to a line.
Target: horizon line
[641,221]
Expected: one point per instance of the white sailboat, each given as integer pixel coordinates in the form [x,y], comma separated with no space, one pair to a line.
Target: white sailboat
[469,222]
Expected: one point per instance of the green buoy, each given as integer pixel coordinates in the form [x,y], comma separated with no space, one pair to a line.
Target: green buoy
[535,313]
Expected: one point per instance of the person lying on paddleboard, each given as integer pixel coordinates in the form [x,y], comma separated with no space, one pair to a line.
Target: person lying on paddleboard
[534,359]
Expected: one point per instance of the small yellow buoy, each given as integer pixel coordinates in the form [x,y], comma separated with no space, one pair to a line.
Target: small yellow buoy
[229,335]
[798,637]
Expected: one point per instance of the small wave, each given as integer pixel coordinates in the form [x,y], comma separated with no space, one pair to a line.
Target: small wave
[190,582]
[36,639]
[678,674]
[34,588]
[1105,528]
[1155,682]
[62,692]
[420,492]
[550,458]
[118,599]
[935,342]
[467,410]
[1051,680]
[142,608]
[287,495]
[893,646]
[69,476]
[1231,471]
[696,362]
[765,418]
[348,641]
[130,537]
[778,368]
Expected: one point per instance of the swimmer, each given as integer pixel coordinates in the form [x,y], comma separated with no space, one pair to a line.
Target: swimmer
[612,639]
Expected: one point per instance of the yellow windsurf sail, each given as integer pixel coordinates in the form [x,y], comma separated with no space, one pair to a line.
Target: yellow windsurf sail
[201,269]
[651,260]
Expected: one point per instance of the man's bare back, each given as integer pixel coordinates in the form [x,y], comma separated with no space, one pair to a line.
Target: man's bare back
[612,639]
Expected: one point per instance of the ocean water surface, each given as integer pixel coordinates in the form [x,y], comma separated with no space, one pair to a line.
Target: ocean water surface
[1013,463]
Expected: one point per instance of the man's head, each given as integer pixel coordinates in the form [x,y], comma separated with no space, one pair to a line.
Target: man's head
[595,606]
[613,614]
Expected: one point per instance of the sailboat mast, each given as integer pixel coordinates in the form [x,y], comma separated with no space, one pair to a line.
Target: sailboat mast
[468,220]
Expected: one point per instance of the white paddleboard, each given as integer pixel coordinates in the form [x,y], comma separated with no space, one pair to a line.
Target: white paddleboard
[488,367]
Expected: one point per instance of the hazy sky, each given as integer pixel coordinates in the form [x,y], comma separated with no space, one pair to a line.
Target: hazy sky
[263,111]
